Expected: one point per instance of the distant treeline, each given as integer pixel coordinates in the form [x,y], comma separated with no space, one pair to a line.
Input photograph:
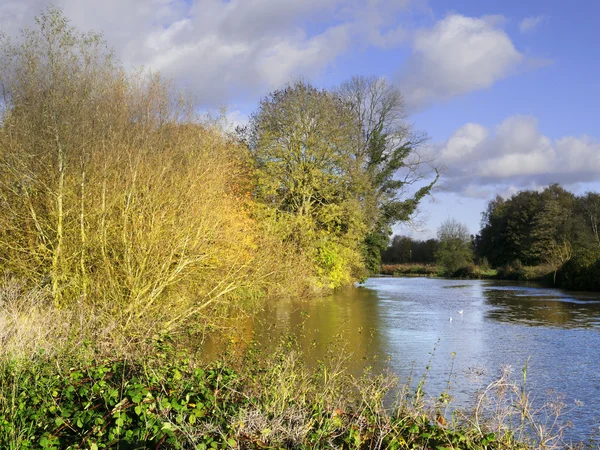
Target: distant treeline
[553,230]
[403,250]
[552,227]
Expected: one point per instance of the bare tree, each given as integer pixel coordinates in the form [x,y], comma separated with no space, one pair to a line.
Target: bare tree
[389,150]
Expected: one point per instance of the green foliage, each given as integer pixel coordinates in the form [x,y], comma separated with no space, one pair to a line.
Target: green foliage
[301,142]
[404,249]
[388,152]
[341,160]
[300,139]
[332,264]
[374,245]
[582,272]
[272,402]
[455,247]
[552,229]
[111,403]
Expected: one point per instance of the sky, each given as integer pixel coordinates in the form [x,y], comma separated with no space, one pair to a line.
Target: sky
[508,92]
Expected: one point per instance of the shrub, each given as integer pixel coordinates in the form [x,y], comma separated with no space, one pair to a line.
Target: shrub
[582,272]
[272,401]
[115,195]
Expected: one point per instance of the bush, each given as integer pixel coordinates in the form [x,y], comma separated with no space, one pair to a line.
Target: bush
[517,271]
[272,401]
[468,271]
[116,196]
[582,272]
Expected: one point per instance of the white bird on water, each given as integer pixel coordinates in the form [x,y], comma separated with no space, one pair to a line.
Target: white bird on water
[450,319]
[460,312]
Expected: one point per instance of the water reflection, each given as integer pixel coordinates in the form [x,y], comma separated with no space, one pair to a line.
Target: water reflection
[402,320]
[346,323]
[542,307]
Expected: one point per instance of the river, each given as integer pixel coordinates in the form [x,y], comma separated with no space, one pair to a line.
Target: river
[404,324]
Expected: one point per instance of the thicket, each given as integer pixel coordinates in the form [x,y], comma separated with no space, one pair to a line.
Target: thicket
[124,213]
[115,196]
[554,230]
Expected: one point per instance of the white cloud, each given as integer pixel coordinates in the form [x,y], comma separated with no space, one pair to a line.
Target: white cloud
[234,119]
[223,49]
[530,23]
[458,55]
[463,143]
[516,154]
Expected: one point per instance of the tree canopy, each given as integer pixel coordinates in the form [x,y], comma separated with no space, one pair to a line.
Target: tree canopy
[455,248]
[336,166]
[551,227]
[388,150]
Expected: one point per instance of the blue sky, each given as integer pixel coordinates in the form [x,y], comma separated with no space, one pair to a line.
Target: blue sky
[508,92]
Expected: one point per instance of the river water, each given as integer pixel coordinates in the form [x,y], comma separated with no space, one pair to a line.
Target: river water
[404,324]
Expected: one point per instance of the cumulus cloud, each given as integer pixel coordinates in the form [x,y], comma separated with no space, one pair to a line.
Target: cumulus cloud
[458,55]
[223,49]
[515,154]
[530,23]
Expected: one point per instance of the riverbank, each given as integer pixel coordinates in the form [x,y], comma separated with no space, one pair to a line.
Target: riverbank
[169,400]
[429,270]
[62,386]
[574,275]
[516,272]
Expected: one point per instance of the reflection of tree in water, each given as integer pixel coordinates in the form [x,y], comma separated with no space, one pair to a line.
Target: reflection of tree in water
[514,305]
[344,325]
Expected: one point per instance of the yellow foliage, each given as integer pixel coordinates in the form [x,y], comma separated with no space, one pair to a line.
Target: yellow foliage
[116,195]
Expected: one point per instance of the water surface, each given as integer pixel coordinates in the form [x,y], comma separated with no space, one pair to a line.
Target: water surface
[404,324]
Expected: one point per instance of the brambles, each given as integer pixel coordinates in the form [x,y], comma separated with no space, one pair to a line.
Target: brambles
[168,401]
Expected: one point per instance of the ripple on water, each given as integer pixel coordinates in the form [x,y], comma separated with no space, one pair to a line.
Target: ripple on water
[407,318]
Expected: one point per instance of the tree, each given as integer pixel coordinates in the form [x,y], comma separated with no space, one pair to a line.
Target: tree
[404,249]
[557,254]
[387,150]
[399,250]
[455,248]
[590,206]
[302,143]
[301,139]
[491,241]
[553,228]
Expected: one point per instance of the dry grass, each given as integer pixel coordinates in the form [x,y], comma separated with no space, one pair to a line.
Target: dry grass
[32,326]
